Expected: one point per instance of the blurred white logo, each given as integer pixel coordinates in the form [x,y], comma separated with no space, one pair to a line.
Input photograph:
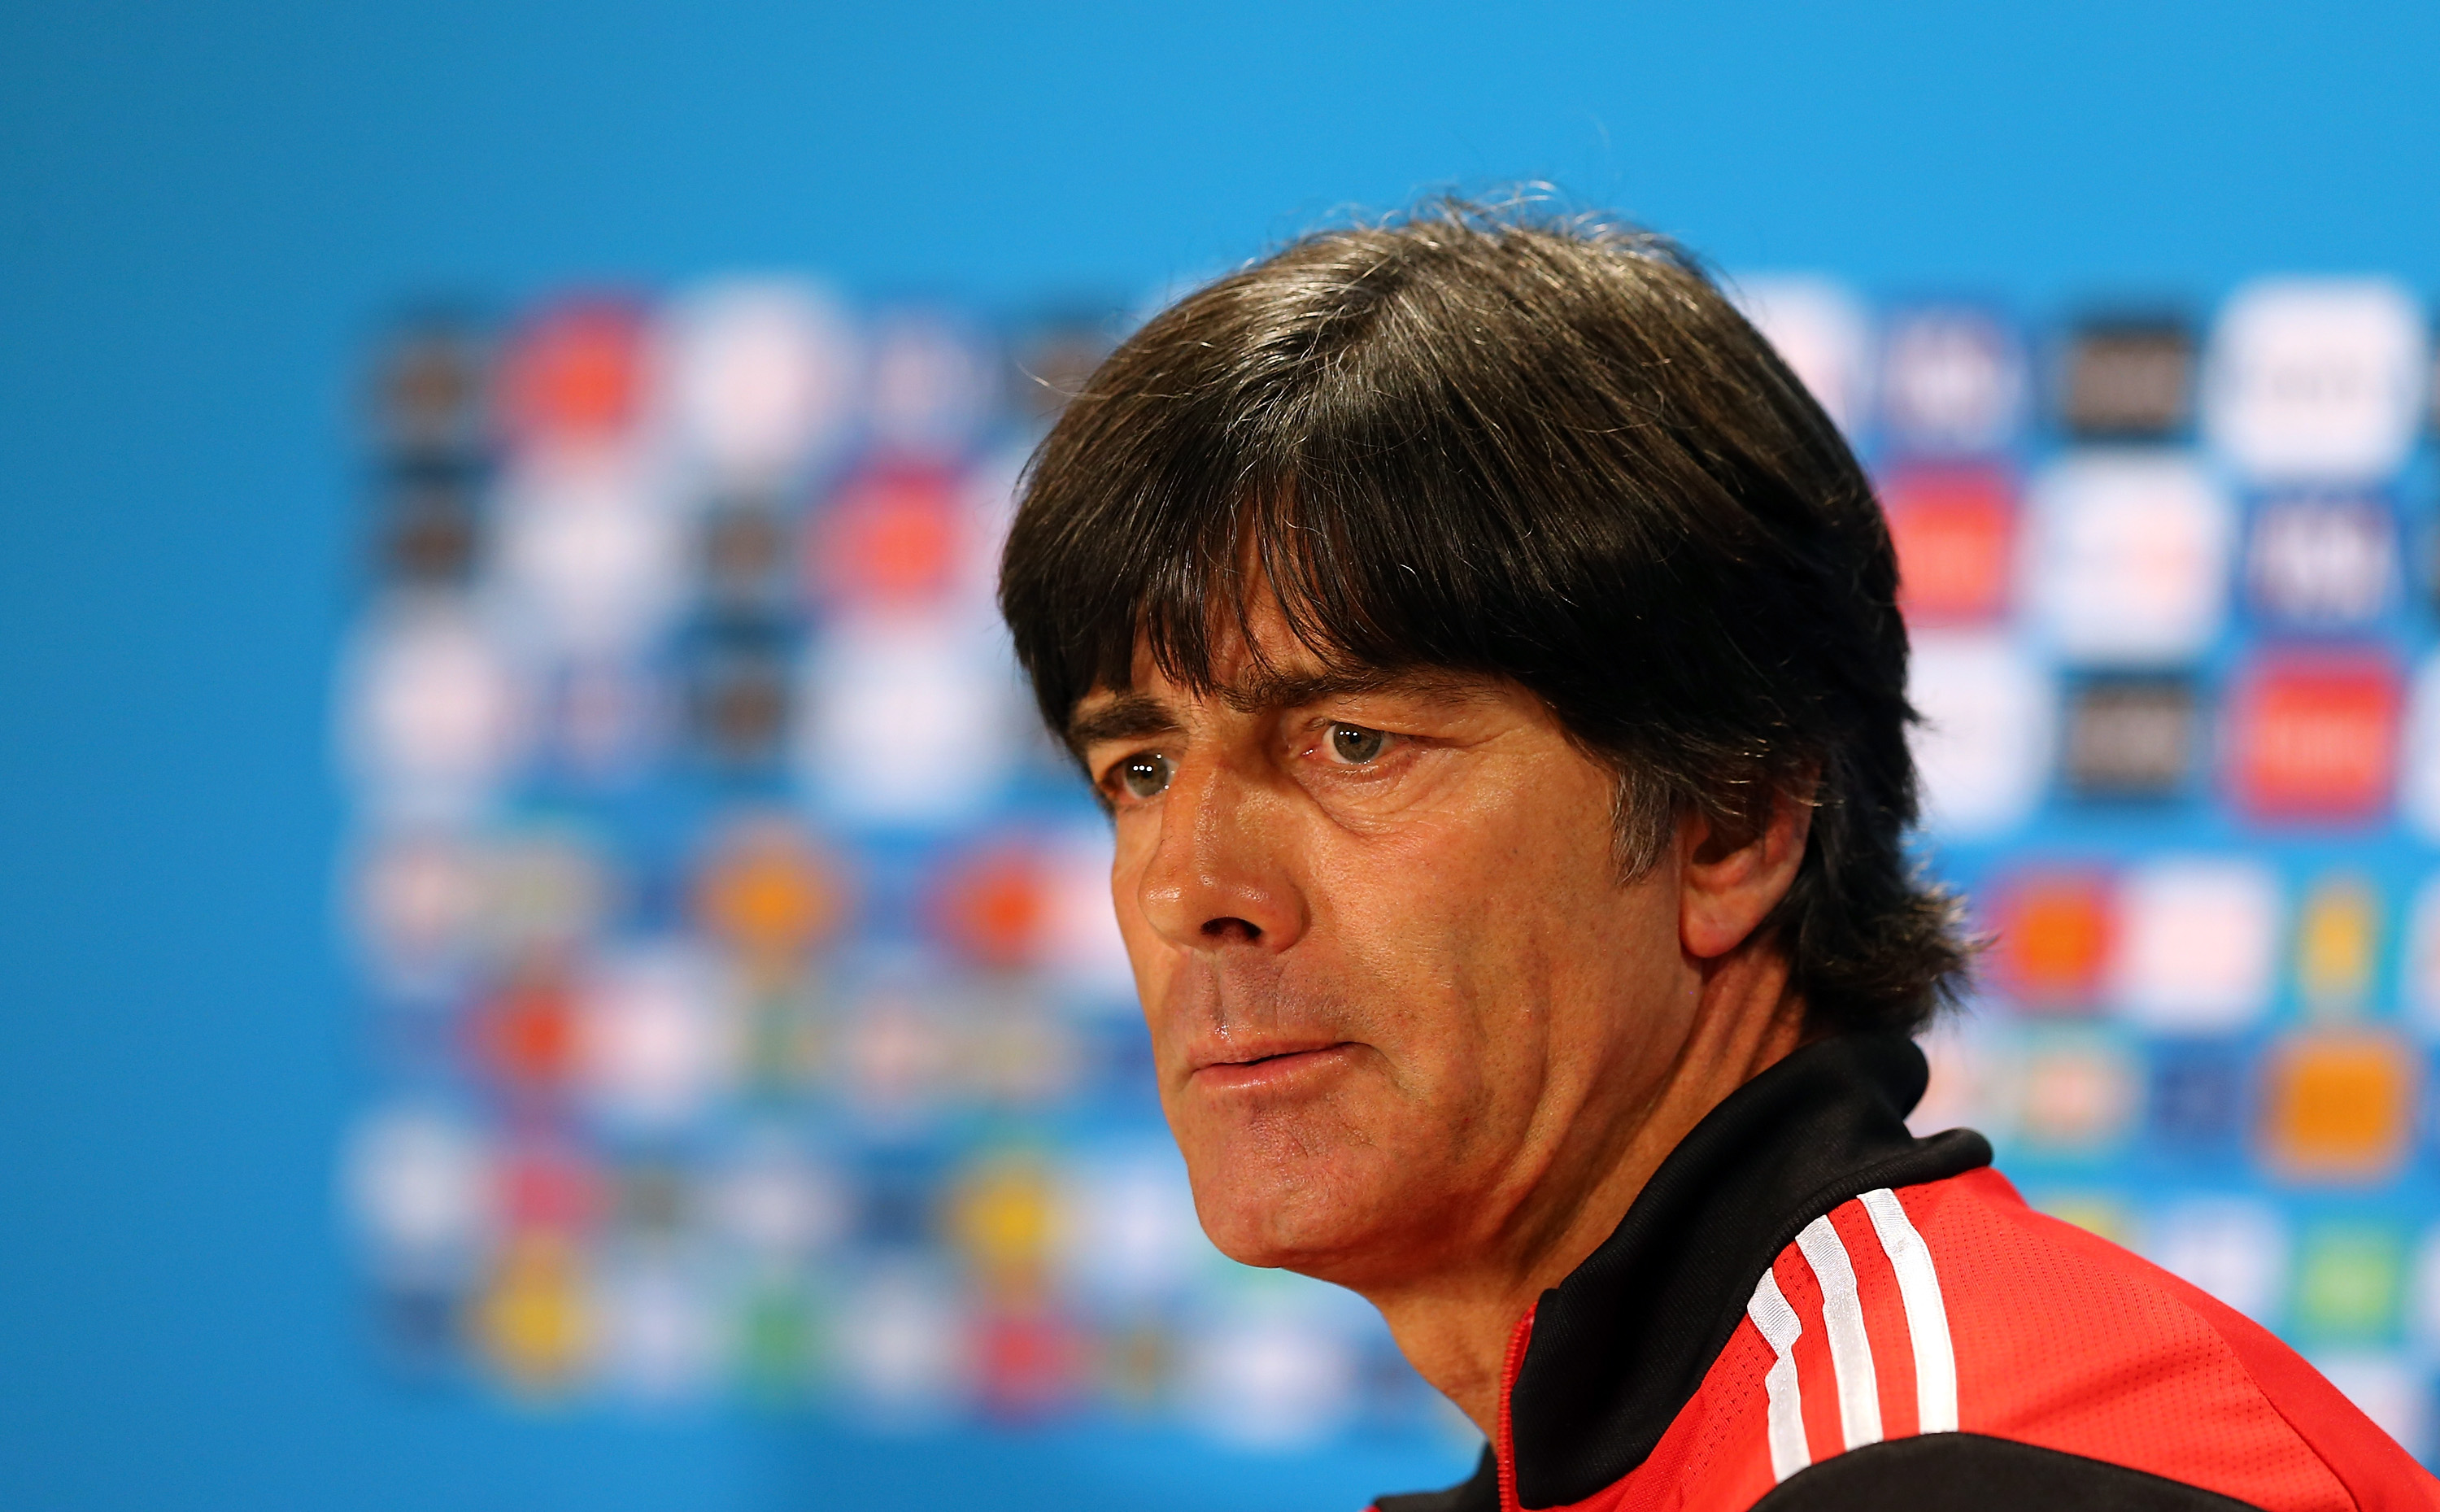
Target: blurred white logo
[777,1203]
[904,1343]
[1984,746]
[590,557]
[2234,1248]
[933,384]
[1271,1374]
[662,1333]
[1960,1093]
[436,715]
[657,1040]
[2199,943]
[418,1182]
[2129,557]
[910,719]
[1081,943]
[1952,381]
[758,378]
[2326,563]
[1132,1235]
[2314,379]
[1821,333]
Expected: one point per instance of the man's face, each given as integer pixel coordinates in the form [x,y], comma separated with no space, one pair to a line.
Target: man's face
[1403,1008]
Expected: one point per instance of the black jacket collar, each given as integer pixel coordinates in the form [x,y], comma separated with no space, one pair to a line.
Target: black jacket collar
[1619,1346]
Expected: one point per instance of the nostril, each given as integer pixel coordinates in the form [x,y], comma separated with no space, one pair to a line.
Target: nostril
[1241,931]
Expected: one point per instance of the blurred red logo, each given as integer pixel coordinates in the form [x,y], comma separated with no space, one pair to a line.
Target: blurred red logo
[1955,532]
[576,373]
[526,1034]
[995,905]
[892,535]
[1030,1361]
[550,1187]
[2315,737]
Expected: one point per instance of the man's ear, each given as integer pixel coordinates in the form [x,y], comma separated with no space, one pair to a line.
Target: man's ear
[1728,882]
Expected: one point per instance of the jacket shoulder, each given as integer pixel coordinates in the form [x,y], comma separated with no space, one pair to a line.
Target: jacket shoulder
[2063,1341]
[1949,1309]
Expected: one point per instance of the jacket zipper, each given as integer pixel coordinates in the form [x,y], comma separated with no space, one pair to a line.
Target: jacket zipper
[1507,1446]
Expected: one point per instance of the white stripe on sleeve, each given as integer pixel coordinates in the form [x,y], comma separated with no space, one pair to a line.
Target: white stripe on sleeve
[1935,1362]
[1851,1349]
[1779,1326]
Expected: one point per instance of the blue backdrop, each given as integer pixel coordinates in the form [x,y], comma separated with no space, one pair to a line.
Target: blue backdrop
[202,209]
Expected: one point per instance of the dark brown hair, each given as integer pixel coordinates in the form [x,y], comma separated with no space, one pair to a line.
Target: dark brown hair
[1548,451]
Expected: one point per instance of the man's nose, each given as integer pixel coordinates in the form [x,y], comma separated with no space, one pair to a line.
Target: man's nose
[1220,873]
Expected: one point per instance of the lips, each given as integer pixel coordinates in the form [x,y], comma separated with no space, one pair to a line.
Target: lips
[1267,1064]
[1240,1021]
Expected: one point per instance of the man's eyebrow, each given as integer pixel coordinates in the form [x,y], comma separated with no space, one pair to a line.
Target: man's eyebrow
[1129,717]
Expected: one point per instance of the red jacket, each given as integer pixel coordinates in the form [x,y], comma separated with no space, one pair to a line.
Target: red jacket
[1807,1309]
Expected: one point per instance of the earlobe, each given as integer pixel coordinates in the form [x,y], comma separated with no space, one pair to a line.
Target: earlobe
[1726,888]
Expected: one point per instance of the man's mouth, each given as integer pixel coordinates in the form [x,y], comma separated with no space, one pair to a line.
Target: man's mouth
[1264,1066]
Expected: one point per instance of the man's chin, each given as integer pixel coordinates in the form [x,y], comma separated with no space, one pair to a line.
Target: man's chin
[1315,1228]
[1303,1183]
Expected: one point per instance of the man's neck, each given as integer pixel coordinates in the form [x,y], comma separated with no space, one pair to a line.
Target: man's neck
[1455,1326]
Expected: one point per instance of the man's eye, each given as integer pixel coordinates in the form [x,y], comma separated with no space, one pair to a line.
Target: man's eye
[1355,744]
[1145,776]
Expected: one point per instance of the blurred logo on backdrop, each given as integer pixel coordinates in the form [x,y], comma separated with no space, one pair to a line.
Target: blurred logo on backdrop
[736,957]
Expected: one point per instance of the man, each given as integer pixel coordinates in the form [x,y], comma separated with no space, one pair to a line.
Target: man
[1489,658]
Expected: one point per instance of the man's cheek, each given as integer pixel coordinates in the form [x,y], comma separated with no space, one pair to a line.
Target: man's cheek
[1146,957]
[1154,973]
